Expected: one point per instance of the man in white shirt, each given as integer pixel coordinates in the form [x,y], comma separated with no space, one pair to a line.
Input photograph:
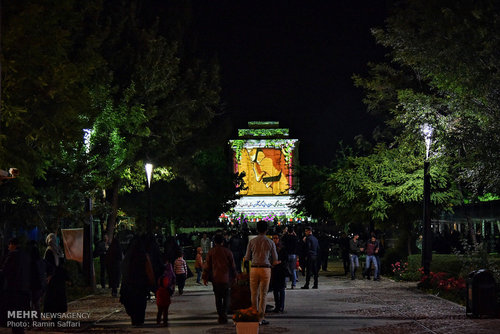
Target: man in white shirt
[259,251]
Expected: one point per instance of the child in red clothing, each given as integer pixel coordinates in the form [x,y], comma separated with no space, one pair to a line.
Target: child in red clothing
[198,265]
[166,286]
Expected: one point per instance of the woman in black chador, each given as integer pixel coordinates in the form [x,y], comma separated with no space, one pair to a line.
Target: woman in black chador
[137,281]
[114,258]
[55,298]
[279,273]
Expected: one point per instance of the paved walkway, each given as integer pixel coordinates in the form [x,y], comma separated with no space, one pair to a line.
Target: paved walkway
[338,306]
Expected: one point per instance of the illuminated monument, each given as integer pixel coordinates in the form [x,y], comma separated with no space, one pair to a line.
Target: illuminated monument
[267,156]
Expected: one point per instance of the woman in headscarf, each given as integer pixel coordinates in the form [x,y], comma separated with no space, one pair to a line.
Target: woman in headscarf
[55,298]
[114,258]
[278,276]
[137,281]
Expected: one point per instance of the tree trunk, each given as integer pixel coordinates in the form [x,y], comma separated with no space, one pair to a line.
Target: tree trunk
[114,210]
[470,227]
[409,228]
[408,243]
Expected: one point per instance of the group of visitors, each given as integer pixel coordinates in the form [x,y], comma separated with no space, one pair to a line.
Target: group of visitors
[145,268]
[271,260]
[27,280]
[372,251]
[110,256]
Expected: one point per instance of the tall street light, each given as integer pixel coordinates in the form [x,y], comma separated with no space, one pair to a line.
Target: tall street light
[88,226]
[427,131]
[149,174]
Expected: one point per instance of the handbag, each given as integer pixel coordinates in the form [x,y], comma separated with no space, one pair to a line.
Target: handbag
[189,273]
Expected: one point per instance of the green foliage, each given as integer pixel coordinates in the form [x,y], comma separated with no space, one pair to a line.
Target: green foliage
[444,71]
[391,255]
[263,124]
[114,67]
[286,145]
[46,71]
[388,180]
[150,98]
[278,132]
[445,285]
[209,190]
[309,197]
[475,257]
[448,263]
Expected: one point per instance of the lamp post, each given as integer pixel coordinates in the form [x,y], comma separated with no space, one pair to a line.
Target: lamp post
[427,131]
[149,174]
[88,227]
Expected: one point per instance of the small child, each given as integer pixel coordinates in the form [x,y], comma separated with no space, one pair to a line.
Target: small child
[166,286]
[180,269]
[198,264]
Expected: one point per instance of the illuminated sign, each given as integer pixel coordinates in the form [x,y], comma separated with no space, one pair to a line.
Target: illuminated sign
[266,171]
[265,156]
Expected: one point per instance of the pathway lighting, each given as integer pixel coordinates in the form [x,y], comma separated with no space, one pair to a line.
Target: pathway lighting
[427,131]
[149,173]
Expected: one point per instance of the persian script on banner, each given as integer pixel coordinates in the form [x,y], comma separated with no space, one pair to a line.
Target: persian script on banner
[73,243]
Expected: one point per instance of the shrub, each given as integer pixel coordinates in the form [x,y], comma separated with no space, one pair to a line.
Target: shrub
[399,269]
[390,257]
[476,257]
[444,284]
[448,263]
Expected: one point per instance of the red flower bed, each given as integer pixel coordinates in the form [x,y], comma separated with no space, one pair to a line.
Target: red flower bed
[443,282]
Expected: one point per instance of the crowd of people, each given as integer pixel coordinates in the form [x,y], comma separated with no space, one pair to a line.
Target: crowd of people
[27,281]
[275,261]
[139,267]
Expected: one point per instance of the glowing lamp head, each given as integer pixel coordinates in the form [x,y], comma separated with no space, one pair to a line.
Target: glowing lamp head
[427,131]
[149,172]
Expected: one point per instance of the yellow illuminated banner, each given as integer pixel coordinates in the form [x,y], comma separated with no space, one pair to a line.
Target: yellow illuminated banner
[266,171]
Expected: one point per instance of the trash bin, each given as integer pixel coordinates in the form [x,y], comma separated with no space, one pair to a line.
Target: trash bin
[481,294]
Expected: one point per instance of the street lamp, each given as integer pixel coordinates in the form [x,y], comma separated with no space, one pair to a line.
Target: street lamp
[149,174]
[88,226]
[427,131]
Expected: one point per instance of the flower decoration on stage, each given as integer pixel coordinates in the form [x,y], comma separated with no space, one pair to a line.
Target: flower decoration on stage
[246,315]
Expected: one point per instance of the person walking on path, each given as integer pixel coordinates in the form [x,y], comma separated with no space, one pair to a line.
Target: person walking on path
[355,250]
[114,257]
[221,270]
[236,247]
[164,292]
[181,270]
[379,255]
[205,244]
[137,281]
[198,265]
[372,248]
[344,251]
[55,298]
[278,276]
[101,251]
[259,250]
[311,252]
[38,277]
[291,244]
[15,272]
[324,254]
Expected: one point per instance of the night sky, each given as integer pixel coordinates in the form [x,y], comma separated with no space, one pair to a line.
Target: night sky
[293,62]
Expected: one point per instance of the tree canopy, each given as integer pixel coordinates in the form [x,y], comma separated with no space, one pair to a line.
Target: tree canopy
[115,68]
[444,70]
